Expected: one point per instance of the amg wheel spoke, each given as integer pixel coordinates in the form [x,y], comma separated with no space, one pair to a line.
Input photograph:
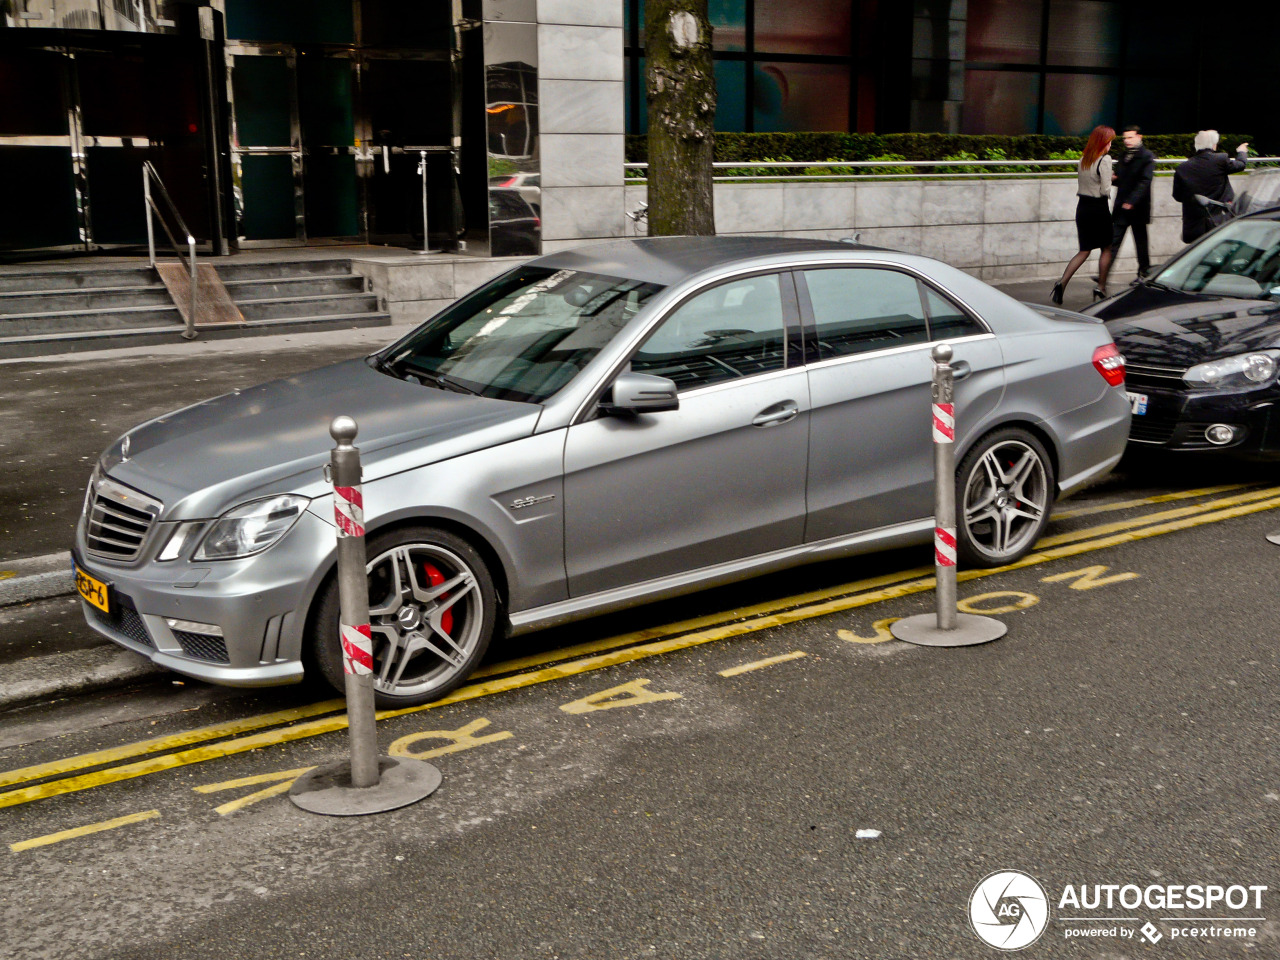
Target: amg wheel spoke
[469,585]
[1003,531]
[392,636]
[396,599]
[429,593]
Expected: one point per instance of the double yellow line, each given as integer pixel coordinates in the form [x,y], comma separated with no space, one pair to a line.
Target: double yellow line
[624,648]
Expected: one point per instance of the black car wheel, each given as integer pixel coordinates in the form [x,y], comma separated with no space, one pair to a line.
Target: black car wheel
[1004,490]
[432,609]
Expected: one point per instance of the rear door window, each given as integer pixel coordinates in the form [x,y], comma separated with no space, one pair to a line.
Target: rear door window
[859,309]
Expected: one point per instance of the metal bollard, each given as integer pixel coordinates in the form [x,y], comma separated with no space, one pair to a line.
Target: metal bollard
[426,234]
[367,783]
[948,627]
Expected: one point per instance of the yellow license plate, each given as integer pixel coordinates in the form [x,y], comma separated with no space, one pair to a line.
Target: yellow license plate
[92,590]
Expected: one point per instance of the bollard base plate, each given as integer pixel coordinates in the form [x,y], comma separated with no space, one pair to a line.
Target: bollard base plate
[1274,537]
[970,630]
[327,790]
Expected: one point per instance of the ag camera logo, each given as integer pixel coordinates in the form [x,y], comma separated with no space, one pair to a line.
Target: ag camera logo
[1008,910]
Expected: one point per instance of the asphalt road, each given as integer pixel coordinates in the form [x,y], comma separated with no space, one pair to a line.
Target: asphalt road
[1124,732]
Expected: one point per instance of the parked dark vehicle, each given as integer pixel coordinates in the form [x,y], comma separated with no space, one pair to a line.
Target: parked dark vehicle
[1201,341]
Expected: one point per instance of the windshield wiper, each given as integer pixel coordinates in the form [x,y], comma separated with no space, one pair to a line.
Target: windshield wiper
[446,382]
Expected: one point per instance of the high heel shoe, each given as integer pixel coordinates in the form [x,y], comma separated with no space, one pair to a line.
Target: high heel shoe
[1099,294]
[1056,295]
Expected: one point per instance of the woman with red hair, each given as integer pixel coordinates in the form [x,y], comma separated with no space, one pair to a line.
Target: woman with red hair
[1093,214]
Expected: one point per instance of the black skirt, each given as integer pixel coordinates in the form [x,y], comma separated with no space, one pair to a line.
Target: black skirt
[1093,223]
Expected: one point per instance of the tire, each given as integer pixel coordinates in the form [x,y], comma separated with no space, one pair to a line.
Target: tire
[414,616]
[1004,491]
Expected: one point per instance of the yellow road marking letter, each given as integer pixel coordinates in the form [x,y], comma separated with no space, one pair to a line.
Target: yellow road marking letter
[462,739]
[83,831]
[287,776]
[879,632]
[1020,602]
[627,695]
[1090,577]
[761,664]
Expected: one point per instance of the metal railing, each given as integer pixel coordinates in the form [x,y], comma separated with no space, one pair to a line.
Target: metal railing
[153,212]
[919,169]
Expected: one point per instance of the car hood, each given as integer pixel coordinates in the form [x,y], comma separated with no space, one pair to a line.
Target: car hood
[1167,328]
[274,438]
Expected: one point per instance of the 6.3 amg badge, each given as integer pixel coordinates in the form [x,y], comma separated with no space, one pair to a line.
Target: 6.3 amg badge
[1008,910]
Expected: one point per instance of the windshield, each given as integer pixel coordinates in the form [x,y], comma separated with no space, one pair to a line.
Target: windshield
[1240,260]
[522,336]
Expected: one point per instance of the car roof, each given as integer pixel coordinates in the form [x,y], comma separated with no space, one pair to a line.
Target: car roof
[668,260]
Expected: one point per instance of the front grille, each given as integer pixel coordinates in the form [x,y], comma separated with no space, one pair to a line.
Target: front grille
[124,621]
[201,646]
[1139,377]
[119,520]
[1152,429]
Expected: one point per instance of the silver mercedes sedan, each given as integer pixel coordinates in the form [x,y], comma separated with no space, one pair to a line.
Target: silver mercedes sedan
[591,430]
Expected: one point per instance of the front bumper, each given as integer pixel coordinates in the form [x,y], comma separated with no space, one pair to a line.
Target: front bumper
[1176,420]
[258,604]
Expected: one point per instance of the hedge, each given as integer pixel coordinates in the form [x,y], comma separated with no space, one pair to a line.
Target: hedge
[920,146]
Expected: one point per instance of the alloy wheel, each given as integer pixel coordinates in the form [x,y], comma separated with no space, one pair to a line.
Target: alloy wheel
[1006,499]
[426,613]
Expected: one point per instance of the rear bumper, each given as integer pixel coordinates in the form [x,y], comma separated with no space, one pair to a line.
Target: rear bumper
[1091,440]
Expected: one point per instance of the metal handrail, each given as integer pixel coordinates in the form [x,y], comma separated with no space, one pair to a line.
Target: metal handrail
[148,174]
[923,166]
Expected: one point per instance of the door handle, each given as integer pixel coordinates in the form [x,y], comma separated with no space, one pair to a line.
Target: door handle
[960,369]
[777,414]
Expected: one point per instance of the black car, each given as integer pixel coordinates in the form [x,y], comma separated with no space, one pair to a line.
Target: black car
[1201,342]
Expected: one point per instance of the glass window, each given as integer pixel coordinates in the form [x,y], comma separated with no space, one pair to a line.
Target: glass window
[862,308]
[1000,102]
[1003,31]
[801,96]
[1075,103]
[520,337]
[729,23]
[1240,260]
[1084,33]
[730,331]
[819,27]
[290,21]
[946,320]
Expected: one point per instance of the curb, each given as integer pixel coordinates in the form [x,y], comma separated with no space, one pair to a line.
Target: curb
[61,675]
[35,578]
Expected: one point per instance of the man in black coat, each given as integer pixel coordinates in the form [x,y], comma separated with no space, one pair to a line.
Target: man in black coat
[1206,174]
[1132,179]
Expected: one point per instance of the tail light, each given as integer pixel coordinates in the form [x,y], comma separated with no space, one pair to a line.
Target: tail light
[1108,362]
[508,182]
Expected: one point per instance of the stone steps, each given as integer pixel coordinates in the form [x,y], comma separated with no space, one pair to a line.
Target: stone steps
[55,310]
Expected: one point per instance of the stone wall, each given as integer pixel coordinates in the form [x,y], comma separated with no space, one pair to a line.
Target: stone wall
[994,229]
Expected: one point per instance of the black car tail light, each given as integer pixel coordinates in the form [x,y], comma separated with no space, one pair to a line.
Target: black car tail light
[1108,362]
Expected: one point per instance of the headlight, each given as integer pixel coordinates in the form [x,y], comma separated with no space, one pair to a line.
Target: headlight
[1251,367]
[251,527]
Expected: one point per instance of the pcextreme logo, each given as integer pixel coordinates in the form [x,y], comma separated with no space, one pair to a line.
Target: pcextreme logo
[1009,910]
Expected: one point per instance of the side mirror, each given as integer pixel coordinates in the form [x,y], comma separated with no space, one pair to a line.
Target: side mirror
[641,393]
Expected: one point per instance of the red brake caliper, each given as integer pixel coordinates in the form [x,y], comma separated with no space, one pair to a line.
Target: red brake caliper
[436,578]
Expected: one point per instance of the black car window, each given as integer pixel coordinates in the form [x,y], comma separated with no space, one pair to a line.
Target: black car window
[946,320]
[730,331]
[857,309]
[1242,259]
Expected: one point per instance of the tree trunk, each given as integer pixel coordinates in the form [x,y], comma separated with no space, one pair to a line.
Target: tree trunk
[680,87]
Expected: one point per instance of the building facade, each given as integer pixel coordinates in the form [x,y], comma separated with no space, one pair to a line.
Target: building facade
[500,123]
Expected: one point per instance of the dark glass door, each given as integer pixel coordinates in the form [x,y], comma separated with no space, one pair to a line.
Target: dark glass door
[409,110]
